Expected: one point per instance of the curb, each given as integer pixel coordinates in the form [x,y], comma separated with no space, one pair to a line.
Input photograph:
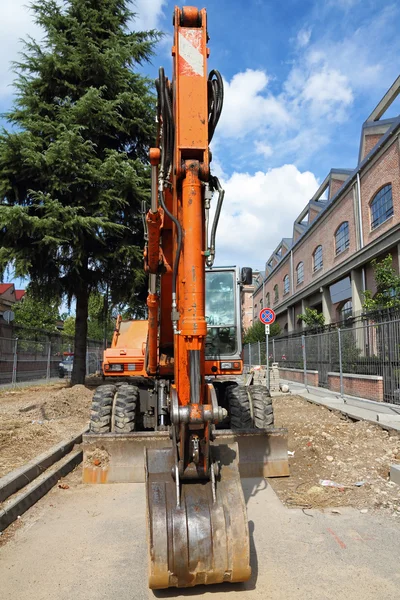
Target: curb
[19,478]
[43,484]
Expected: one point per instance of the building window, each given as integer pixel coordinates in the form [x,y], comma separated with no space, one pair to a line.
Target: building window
[267,300]
[381,206]
[286,284]
[318,262]
[342,237]
[261,303]
[300,272]
[346,311]
[276,293]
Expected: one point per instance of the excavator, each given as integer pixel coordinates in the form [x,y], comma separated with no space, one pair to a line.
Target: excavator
[171,412]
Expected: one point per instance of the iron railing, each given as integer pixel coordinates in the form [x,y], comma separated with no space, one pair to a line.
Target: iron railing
[370,348]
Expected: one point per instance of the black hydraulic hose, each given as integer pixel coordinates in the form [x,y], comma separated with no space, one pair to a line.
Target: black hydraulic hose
[214,181]
[179,241]
[215,101]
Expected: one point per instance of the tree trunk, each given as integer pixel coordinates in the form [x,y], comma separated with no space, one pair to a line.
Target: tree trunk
[79,368]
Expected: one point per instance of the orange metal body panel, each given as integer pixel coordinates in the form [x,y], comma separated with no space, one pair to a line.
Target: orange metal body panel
[128,347]
[216,365]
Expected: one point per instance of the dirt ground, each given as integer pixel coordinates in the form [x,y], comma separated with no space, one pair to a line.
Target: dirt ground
[34,419]
[328,446]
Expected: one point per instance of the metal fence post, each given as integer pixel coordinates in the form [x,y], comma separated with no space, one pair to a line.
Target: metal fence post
[340,362]
[303,346]
[87,361]
[250,355]
[273,349]
[15,364]
[259,353]
[48,362]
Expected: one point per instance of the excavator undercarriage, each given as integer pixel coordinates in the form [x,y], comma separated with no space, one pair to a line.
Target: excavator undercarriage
[172,412]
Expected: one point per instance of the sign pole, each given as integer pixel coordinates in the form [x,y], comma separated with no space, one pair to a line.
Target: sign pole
[267,352]
[267,316]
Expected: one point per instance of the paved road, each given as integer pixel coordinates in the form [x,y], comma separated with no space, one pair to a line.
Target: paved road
[89,543]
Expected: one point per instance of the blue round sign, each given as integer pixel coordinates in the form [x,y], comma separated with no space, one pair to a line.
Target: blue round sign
[267,316]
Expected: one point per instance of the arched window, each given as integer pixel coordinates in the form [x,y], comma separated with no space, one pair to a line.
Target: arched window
[346,311]
[300,272]
[286,284]
[276,293]
[318,262]
[381,206]
[342,240]
[267,300]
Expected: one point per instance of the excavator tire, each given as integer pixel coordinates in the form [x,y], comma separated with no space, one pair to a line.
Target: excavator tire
[101,410]
[239,407]
[263,412]
[125,408]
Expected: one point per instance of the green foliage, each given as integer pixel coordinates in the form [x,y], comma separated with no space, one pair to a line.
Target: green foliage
[73,167]
[387,284]
[98,322]
[35,313]
[312,318]
[256,333]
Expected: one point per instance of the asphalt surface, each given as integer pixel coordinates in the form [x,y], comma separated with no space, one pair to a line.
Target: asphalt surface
[89,543]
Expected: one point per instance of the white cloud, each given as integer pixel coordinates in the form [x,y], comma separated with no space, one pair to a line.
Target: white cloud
[303,37]
[258,211]
[149,13]
[247,107]
[328,93]
[264,149]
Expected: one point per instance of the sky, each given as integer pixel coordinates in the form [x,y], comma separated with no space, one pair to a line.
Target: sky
[301,76]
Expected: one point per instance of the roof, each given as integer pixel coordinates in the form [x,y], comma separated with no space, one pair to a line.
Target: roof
[19,294]
[4,287]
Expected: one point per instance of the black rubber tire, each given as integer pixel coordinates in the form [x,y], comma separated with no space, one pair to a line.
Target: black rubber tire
[239,407]
[125,408]
[101,410]
[263,412]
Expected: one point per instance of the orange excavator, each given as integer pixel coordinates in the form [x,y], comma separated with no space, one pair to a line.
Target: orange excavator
[199,429]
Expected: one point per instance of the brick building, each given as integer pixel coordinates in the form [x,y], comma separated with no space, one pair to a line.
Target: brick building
[247,300]
[352,218]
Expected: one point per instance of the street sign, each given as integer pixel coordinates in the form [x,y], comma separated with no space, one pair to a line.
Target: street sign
[267,316]
[8,316]
[267,330]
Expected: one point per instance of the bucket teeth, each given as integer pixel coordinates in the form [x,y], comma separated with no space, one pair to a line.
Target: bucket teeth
[201,541]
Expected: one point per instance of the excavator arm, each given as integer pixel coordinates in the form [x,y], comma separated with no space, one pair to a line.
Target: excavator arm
[196,511]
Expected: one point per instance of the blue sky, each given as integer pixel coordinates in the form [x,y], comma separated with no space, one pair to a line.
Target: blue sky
[301,76]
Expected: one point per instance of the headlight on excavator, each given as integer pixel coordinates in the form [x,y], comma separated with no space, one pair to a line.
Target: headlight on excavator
[115,367]
[226,365]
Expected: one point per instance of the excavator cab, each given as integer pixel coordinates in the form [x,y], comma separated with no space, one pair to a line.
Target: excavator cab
[223,346]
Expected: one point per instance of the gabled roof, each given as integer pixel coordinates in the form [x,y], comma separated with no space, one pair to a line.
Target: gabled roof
[19,294]
[5,286]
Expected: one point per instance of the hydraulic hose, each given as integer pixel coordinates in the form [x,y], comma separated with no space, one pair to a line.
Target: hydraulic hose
[179,241]
[215,101]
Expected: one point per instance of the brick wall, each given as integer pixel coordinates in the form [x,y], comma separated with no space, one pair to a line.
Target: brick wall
[384,171]
[334,187]
[363,386]
[370,142]
[298,376]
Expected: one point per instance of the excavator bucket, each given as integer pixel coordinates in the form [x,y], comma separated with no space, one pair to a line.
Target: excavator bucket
[197,531]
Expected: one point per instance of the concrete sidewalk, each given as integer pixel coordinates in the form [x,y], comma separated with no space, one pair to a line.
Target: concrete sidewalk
[381,413]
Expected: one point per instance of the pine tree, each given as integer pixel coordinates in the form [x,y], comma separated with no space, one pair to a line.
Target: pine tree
[73,168]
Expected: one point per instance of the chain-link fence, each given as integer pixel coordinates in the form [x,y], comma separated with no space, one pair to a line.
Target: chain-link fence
[24,360]
[369,350]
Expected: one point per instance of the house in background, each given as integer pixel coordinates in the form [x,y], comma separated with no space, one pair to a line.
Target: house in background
[8,297]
